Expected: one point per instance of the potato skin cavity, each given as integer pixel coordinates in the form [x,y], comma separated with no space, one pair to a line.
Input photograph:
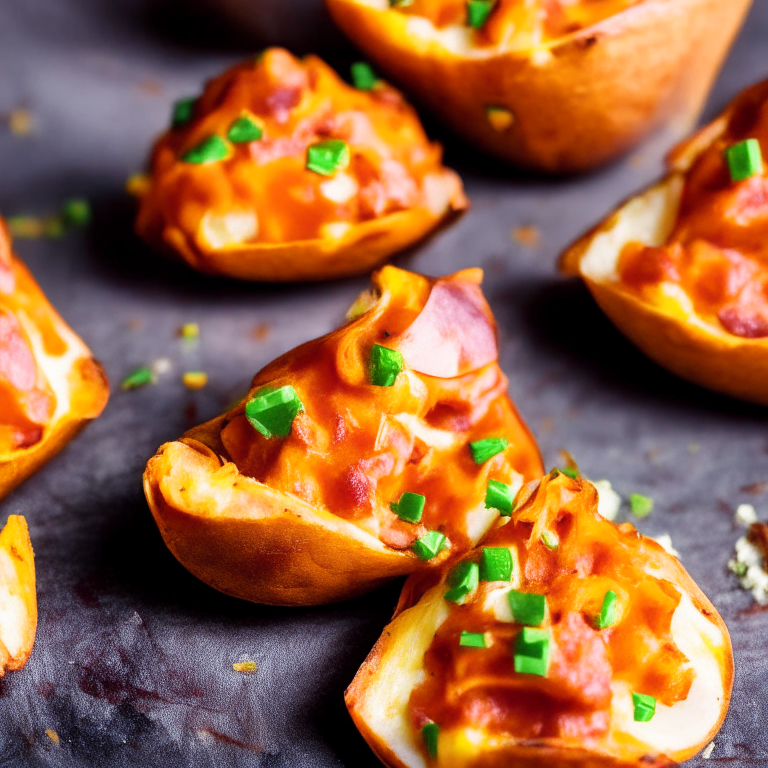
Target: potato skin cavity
[368,478]
[580,712]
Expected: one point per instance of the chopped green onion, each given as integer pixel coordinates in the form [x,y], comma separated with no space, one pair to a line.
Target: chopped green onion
[138,378]
[498,495]
[608,612]
[463,579]
[645,707]
[400,3]
[641,506]
[550,539]
[209,150]
[76,212]
[473,640]
[182,112]
[571,472]
[532,651]
[410,507]
[429,733]
[478,12]
[244,130]
[272,411]
[429,545]
[744,159]
[527,608]
[482,450]
[496,564]
[327,157]
[384,366]
[363,76]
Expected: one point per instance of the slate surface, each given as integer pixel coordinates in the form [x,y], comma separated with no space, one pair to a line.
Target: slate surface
[133,660]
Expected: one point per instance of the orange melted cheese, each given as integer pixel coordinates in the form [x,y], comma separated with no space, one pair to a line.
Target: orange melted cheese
[478,687]
[523,23]
[357,447]
[296,103]
[718,251]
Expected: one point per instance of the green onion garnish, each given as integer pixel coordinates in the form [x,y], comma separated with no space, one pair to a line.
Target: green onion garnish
[429,733]
[244,130]
[363,76]
[532,651]
[272,411]
[429,545]
[571,472]
[527,608]
[400,3]
[182,111]
[744,159]
[550,540]
[384,366]
[76,212]
[473,640]
[327,157]
[645,707]
[410,507]
[496,564]
[138,378]
[499,496]
[641,506]
[209,150]
[462,580]
[607,617]
[482,450]
[478,12]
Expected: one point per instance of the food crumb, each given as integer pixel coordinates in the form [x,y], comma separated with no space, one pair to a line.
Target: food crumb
[134,324]
[137,184]
[194,379]
[693,448]
[665,541]
[189,331]
[26,227]
[608,501]
[708,750]
[52,735]
[245,667]
[161,366]
[261,331]
[745,515]
[527,235]
[749,560]
[21,122]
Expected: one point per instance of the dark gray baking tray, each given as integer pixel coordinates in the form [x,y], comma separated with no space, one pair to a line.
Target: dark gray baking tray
[133,660]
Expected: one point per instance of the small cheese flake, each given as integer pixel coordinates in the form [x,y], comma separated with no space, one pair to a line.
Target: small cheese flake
[665,541]
[527,235]
[21,122]
[608,501]
[748,563]
[245,667]
[52,735]
[745,515]
[161,366]
[194,379]
[708,750]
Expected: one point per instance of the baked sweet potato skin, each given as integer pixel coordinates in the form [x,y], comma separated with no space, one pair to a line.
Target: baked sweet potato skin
[81,390]
[18,598]
[577,102]
[266,543]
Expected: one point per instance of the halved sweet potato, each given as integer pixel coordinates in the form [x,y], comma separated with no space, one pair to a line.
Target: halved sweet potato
[18,599]
[255,206]
[451,666]
[533,93]
[306,516]
[679,269]
[50,386]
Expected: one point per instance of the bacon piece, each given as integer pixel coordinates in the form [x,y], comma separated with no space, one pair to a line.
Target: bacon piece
[17,364]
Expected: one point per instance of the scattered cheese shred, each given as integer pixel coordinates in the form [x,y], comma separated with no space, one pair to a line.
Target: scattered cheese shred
[194,379]
[52,735]
[245,667]
[608,501]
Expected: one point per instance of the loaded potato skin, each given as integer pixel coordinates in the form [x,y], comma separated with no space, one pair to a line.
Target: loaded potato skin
[558,87]
[591,646]
[680,268]
[50,385]
[358,457]
[281,171]
[18,598]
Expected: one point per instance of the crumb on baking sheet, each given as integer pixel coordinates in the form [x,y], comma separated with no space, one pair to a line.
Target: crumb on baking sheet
[194,379]
[708,750]
[526,235]
[261,331]
[52,735]
[245,667]
[21,121]
[745,515]
[665,540]
[161,366]
[608,501]
[751,555]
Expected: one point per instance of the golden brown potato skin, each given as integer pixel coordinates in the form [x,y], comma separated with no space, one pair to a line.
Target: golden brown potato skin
[597,95]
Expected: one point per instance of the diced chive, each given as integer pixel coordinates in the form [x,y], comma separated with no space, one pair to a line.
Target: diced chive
[194,379]
[400,3]
[210,150]
[76,211]
[410,507]
[473,640]
[327,157]
[641,506]
[500,118]
[550,539]
[482,450]
[644,706]
[189,331]
[182,111]
[532,651]
[244,130]
[554,474]
[384,366]
[138,378]
[272,411]
[571,472]
[54,227]
[363,76]
[608,611]
[496,564]
[498,495]
[462,580]
[527,607]
[429,733]
[429,545]
[744,159]
[478,12]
